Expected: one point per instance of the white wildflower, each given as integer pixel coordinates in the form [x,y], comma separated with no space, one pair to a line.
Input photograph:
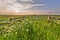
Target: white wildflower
[27,30]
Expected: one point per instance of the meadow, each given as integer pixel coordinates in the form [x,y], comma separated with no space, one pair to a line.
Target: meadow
[29,28]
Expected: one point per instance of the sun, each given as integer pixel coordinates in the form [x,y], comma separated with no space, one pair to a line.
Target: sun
[16,11]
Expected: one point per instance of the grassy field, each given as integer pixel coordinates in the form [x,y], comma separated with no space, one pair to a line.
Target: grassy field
[29,28]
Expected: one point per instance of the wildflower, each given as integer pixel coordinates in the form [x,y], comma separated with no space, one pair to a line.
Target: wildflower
[15,32]
[27,30]
[5,35]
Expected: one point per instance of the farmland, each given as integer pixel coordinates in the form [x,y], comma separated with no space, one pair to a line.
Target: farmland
[29,28]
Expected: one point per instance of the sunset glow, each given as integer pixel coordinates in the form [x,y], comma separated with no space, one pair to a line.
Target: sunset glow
[30,5]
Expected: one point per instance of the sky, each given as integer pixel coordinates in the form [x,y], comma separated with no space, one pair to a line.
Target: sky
[38,5]
[49,4]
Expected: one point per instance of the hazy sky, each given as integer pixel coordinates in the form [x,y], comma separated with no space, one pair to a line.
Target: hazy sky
[31,4]
[49,4]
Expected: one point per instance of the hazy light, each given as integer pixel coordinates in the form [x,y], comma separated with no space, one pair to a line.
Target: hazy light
[16,11]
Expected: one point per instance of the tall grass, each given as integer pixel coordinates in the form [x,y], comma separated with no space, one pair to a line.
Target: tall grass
[31,28]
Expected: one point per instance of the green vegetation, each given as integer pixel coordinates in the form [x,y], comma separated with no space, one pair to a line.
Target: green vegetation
[29,28]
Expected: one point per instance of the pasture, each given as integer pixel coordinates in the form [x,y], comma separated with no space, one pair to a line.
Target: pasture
[29,28]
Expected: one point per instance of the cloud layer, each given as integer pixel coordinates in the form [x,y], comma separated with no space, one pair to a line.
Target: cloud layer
[18,5]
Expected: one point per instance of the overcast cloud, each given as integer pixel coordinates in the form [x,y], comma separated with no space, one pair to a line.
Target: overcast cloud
[19,5]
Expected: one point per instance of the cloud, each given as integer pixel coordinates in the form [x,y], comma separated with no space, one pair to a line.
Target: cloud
[18,5]
[26,0]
